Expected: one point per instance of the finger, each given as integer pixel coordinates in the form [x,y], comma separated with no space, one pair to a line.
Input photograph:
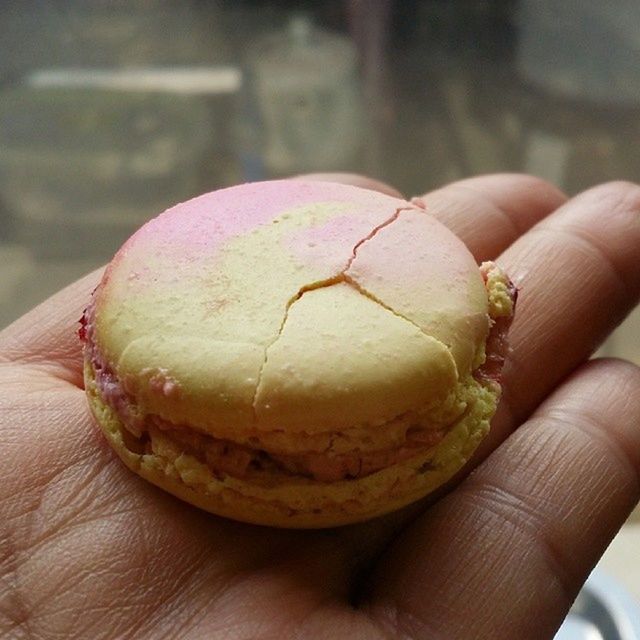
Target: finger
[506,553]
[487,212]
[47,335]
[353,179]
[490,212]
[578,276]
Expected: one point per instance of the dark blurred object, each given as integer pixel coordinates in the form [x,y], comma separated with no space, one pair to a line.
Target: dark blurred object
[587,50]
[464,28]
[568,111]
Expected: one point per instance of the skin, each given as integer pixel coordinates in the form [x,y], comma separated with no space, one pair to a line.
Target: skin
[88,550]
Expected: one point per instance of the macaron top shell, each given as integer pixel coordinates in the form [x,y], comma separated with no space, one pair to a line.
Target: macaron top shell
[295,305]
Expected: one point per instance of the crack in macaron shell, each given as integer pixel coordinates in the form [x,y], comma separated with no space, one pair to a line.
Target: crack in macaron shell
[424,273]
[218,372]
[238,290]
[326,234]
[231,261]
[120,395]
[360,364]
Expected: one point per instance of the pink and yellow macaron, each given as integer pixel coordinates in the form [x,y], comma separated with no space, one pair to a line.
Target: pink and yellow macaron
[297,354]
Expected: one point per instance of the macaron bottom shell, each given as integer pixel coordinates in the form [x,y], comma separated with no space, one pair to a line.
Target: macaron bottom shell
[297,502]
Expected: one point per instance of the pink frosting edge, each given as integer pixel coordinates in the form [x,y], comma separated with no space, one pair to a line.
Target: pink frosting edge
[234,210]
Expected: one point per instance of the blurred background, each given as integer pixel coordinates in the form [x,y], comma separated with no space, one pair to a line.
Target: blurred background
[112,111]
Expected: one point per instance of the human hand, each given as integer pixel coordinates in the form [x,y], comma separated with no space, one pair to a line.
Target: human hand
[89,550]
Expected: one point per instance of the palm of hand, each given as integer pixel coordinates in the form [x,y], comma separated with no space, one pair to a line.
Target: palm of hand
[89,550]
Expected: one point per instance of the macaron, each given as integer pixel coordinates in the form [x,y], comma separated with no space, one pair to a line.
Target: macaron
[296,353]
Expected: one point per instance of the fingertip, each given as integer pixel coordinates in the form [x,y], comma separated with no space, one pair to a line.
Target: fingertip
[625,368]
[490,212]
[627,193]
[522,182]
[526,199]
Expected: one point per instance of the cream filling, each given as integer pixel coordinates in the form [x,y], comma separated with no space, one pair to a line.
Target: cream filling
[333,463]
